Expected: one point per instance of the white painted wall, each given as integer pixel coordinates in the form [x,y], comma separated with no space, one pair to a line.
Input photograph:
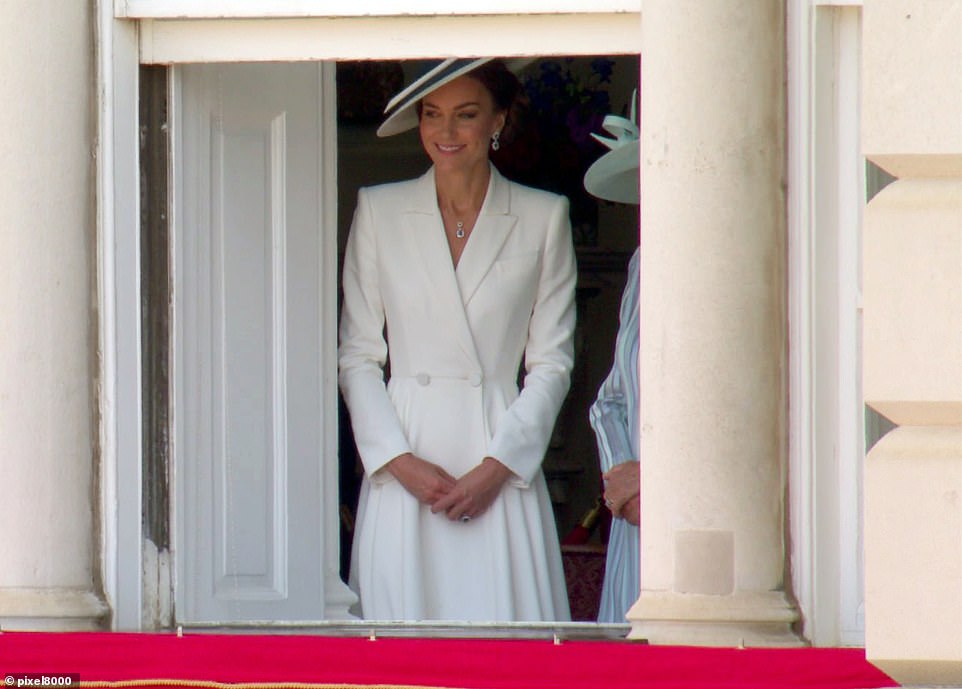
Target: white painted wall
[48,365]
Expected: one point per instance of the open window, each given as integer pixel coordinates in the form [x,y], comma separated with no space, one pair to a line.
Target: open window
[569,97]
[244,307]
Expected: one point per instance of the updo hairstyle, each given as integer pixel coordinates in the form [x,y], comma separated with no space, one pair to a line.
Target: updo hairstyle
[506,92]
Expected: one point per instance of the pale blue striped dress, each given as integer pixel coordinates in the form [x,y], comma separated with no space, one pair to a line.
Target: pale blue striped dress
[614,417]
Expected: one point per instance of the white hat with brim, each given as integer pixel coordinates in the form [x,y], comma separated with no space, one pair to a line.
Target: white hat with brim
[402,111]
[614,176]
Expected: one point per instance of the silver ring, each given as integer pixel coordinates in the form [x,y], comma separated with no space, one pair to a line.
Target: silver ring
[465,518]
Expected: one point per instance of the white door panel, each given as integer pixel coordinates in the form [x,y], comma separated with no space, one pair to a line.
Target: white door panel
[254,467]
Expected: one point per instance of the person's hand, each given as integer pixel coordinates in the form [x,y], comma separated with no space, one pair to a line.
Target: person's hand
[475,491]
[425,481]
[622,489]
[631,511]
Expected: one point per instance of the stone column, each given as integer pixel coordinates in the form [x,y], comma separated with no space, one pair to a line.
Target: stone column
[713,325]
[48,410]
[912,339]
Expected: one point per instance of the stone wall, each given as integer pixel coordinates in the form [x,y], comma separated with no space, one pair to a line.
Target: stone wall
[48,400]
[912,127]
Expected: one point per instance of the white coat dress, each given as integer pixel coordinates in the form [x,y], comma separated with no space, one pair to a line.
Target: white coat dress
[456,339]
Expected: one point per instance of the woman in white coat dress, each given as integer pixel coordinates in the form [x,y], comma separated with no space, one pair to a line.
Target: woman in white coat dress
[455,278]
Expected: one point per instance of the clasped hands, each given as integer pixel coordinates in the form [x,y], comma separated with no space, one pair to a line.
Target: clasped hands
[622,491]
[459,499]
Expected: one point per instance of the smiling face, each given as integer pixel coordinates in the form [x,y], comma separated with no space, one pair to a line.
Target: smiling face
[457,122]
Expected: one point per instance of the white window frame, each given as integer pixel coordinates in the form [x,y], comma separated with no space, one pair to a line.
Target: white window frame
[130,32]
[371,38]
[125,43]
[118,286]
[259,9]
[826,421]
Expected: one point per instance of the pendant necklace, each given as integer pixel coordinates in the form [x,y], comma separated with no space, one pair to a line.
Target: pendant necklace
[459,233]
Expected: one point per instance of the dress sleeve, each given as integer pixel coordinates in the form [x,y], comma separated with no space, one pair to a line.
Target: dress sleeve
[523,432]
[362,351]
[617,397]
[609,419]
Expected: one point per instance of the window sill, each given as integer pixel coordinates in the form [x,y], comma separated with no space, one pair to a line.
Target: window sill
[559,631]
[235,9]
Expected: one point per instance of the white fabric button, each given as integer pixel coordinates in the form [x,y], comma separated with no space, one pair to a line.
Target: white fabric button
[475,379]
[423,378]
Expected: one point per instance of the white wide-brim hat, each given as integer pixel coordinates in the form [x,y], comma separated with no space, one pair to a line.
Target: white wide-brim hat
[614,176]
[401,110]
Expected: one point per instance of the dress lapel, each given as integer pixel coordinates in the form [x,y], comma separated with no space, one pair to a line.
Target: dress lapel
[491,229]
[423,226]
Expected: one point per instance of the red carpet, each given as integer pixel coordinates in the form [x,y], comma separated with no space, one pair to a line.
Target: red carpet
[202,660]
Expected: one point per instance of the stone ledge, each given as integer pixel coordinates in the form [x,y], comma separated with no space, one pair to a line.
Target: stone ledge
[51,609]
[914,672]
[743,619]
[919,165]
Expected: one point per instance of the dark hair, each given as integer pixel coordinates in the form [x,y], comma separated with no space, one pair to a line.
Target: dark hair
[500,82]
[506,92]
